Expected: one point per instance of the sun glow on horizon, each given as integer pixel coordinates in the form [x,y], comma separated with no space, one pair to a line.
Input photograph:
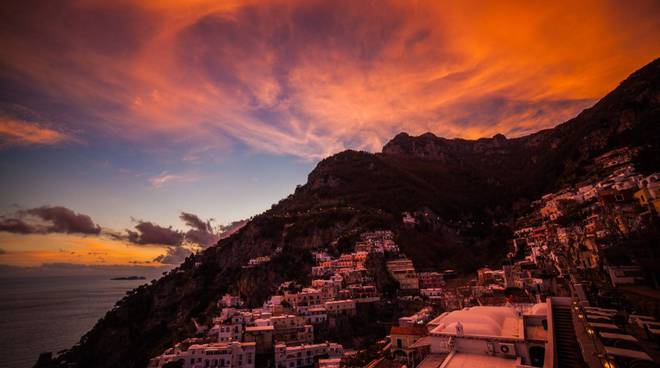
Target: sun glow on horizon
[35,250]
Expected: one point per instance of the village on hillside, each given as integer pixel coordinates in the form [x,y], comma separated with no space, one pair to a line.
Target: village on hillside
[573,292]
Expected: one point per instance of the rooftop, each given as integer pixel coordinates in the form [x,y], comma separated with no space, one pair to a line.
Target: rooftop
[432,361]
[466,360]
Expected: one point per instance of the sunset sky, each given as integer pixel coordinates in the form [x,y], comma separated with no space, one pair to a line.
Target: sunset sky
[126,126]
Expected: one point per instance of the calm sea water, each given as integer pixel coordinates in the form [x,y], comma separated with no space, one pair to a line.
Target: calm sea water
[40,314]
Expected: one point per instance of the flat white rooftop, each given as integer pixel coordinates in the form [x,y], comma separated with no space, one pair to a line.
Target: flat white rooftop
[466,360]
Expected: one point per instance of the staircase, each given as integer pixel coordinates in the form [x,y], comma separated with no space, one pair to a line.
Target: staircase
[568,353]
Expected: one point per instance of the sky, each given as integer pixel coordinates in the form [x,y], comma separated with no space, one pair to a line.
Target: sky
[136,132]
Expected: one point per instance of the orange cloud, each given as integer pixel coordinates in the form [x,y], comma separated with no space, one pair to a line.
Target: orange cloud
[15,132]
[310,78]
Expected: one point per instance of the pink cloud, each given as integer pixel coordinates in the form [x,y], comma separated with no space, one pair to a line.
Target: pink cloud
[165,177]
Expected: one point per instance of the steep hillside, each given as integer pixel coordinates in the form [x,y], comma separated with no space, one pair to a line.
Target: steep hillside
[469,191]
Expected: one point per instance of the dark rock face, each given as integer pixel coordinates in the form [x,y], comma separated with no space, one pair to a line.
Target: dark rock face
[476,182]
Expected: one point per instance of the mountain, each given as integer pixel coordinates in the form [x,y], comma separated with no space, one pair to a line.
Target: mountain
[465,192]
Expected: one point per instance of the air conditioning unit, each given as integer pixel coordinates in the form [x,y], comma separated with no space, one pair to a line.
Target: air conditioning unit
[506,349]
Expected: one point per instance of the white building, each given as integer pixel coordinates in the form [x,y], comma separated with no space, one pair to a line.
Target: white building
[229,325]
[316,315]
[341,307]
[230,301]
[292,328]
[363,293]
[230,332]
[305,355]
[420,318]
[432,293]
[306,298]
[233,354]
[258,260]
[403,271]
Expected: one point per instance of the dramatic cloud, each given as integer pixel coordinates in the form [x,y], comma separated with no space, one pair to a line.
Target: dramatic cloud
[65,220]
[201,232]
[193,221]
[46,219]
[309,78]
[150,233]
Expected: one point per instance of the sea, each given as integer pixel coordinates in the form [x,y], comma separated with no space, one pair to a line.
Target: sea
[39,314]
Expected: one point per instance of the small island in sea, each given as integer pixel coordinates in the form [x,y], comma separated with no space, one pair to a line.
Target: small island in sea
[129,278]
